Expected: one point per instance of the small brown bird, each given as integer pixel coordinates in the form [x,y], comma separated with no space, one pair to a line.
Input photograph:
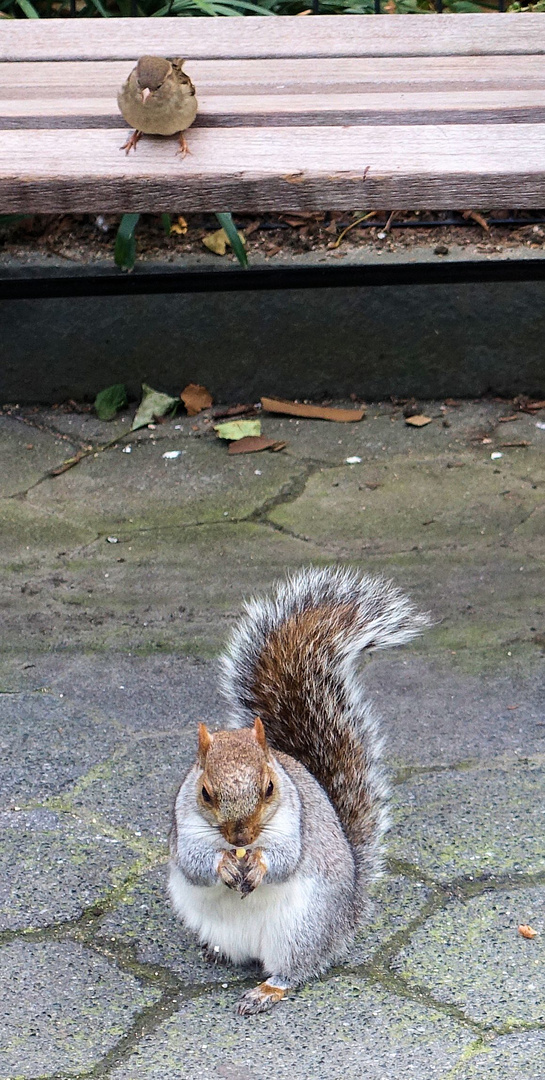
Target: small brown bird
[158,98]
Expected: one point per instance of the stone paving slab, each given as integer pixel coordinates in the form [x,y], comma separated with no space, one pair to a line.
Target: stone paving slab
[519,1056]
[472,822]
[47,744]
[157,589]
[435,502]
[203,485]
[136,787]
[63,1007]
[471,955]
[27,454]
[330,1029]
[53,866]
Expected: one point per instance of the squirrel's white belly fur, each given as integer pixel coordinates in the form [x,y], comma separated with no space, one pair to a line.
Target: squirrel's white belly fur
[257,927]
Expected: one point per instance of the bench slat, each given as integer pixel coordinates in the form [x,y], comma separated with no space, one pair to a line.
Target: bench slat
[284,36]
[296,168]
[295,110]
[363,75]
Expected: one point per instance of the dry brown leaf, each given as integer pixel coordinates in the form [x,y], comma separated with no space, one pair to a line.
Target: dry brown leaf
[521,442]
[216,242]
[69,463]
[294,178]
[234,410]
[251,444]
[196,398]
[527,931]
[505,419]
[418,421]
[533,406]
[180,226]
[312,412]
[477,218]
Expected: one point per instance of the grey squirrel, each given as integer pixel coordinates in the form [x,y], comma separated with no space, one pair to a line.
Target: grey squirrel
[277,828]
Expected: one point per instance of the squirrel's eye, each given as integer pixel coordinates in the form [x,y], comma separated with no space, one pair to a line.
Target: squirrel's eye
[269,790]
[206,795]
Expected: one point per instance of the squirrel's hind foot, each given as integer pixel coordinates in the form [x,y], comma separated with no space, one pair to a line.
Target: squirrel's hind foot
[261,998]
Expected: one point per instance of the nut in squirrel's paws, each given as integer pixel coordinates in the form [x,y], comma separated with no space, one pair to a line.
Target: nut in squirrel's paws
[260,999]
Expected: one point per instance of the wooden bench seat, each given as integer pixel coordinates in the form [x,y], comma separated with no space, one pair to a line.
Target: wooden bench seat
[295,113]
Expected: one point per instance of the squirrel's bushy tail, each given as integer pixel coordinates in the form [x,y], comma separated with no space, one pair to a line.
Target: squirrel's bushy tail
[292,661]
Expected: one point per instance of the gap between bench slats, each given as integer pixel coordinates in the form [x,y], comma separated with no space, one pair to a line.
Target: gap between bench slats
[295,110]
[288,36]
[245,169]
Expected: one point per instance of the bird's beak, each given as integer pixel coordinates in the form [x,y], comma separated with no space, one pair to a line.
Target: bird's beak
[145,94]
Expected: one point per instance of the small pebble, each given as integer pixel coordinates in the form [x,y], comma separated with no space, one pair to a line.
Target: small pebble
[496,455]
[353,460]
[441,249]
[171,454]
[127,450]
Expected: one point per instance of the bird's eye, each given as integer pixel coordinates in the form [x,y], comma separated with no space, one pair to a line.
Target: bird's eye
[269,790]
[206,795]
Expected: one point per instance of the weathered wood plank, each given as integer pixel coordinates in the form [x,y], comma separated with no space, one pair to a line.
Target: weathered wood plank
[498,107]
[353,75]
[276,36]
[289,168]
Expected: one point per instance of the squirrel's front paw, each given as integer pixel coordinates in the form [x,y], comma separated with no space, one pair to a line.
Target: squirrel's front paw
[231,871]
[255,869]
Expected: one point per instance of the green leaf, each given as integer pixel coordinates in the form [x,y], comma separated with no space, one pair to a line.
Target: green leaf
[167,223]
[238,429]
[125,242]
[230,229]
[101,9]
[153,404]
[28,9]
[109,401]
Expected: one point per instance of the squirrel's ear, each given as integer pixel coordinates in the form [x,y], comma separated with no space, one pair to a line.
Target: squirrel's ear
[205,742]
[259,732]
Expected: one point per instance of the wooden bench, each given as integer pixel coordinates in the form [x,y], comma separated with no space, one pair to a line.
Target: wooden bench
[324,112]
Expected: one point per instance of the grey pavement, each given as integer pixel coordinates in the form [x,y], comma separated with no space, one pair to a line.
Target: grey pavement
[121,579]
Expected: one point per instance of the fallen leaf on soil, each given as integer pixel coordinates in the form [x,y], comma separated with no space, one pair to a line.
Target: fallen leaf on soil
[196,398]
[238,429]
[251,444]
[418,421]
[180,227]
[69,463]
[521,442]
[527,931]
[294,178]
[233,410]
[312,412]
[109,401]
[153,404]
[478,218]
[505,419]
[218,241]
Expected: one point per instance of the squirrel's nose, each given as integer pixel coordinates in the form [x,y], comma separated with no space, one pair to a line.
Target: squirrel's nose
[239,835]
